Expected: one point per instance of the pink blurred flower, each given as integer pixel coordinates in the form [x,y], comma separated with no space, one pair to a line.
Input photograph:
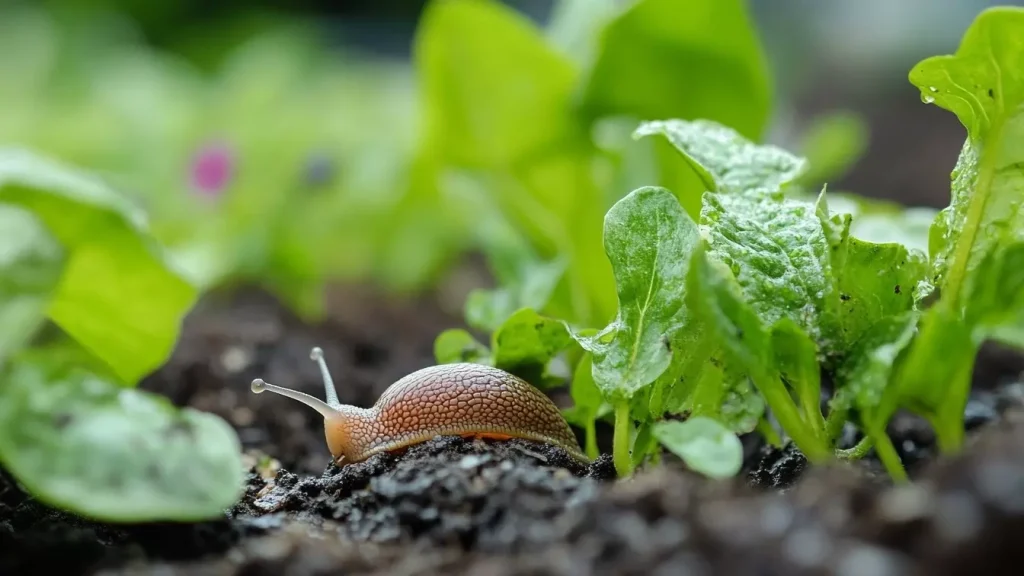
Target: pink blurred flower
[212,168]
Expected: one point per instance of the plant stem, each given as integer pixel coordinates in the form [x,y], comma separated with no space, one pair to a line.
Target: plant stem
[834,424]
[890,459]
[769,433]
[591,439]
[620,440]
[786,412]
[858,451]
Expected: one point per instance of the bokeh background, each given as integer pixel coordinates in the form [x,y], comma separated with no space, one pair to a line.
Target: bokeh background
[299,103]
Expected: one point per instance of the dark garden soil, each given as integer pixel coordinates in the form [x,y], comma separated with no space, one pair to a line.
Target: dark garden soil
[454,506]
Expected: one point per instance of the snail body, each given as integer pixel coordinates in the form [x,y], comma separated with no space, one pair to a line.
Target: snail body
[468,400]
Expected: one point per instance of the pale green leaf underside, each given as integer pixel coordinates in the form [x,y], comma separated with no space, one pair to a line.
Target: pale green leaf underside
[114,453]
[705,445]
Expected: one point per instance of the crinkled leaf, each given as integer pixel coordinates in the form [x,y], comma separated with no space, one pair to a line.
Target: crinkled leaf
[704,444]
[726,161]
[494,89]
[778,252]
[456,345]
[649,239]
[874,281]
[31,261]
[526,343]
[983,85]
[714,294]
[113,453]
[653,50]
[117,295]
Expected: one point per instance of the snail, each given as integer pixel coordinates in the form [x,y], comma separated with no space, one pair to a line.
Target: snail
[468,400]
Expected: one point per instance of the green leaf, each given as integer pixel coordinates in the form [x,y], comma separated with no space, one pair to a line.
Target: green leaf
[705,445]
[117,294]
[31,261]
[874,281]
[883,222]
[527,342]
[832,145]
[493,89]
[588,403]
[796,356]
[983,86]
[726,161]
[530,286]
[934,378]
[778,252]
[867,370]
[714,294]
[742,405]
[649,239]
[651,53]
[456,345]
[997,296]
[112,453]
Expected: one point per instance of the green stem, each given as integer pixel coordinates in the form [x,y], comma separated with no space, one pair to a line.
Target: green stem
[890,459]
[769,433]
[834,425]
[786,412]
[620,440]
[858,451]
[591,439]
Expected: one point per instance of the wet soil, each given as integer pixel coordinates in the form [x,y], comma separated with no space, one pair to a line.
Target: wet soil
[454,506]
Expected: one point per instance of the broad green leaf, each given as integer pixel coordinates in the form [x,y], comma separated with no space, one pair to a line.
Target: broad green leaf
[726,161]
[983,85]
[652,52]
[934,377]
[704,444]
[778,252]
[867,369]
[527,342]
[112,453]
[649,239]
[456,345]
[796,356]
[31,261]
[493,89]
[117,295]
